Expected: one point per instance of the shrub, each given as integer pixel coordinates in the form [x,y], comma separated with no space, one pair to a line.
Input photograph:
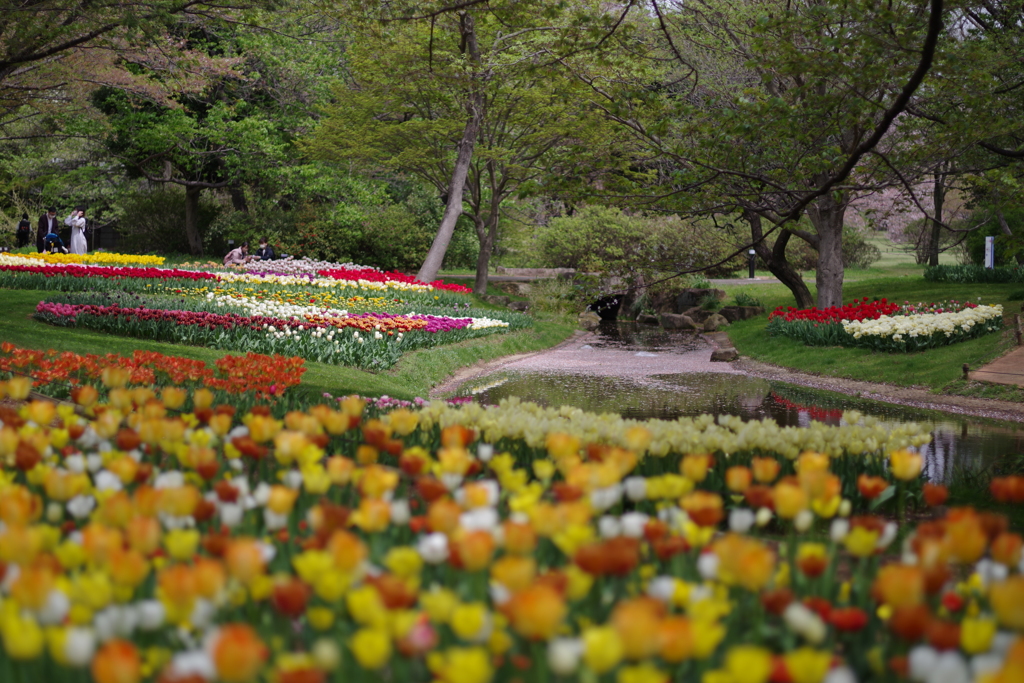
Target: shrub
[598,238]
[973,274]
[744,299]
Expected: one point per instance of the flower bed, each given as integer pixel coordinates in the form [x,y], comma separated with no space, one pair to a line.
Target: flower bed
[56,373]
[371,340]
[373,275]
[465,545]
[885,326]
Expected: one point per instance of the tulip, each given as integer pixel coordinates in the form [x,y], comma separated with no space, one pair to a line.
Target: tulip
[790,500]
[537,612]
[695,467]
[602,649]
[766,470]
[117,661]
[238,653]
[738,479]
[637,622]
[1007,600]
[371,648]
[905,465]
[704,508]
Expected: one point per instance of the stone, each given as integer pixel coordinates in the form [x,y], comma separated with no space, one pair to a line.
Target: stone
[589,319]
[750,311]
[726,355]
[647,319]
[675,321]
[521,306]
[496,299]
[689,298]
[731,313]
[697,314]
[715,322]
[514,288]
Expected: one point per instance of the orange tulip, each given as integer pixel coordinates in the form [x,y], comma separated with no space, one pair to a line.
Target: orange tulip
[871,487]
[675,638]
[515,572]
[965,537]
[348,550]
[244,559]
[473,550]
[443,515]
[536,613]
[144,534]
[899,585]
[638,623]
[696,467]
[766,470]
[519,538]
[703,507]
[738,479]
[744,561]
[19,506]
[1006,548]
[238,653]
[117,661]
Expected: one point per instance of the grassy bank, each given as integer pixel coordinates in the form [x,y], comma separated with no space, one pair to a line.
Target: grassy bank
[414,375]
[938,369]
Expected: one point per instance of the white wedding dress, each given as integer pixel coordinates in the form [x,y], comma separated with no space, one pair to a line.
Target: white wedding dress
[78,243]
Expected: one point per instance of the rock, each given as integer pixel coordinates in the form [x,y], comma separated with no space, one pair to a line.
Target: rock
[589,319]
[674,321]
[514,288]
[731,313]
[726,355]
[521,306]
[715,322]
[697,314]
[750,311]
[496,299]
[689,298]
[647,319]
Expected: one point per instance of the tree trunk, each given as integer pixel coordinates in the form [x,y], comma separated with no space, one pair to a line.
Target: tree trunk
[487,233]
[453,209]
[195,242]
[938,199]
[774,258]
[826,214]
[238,202]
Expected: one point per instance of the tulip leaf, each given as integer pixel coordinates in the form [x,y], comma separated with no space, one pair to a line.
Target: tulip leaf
[882,497]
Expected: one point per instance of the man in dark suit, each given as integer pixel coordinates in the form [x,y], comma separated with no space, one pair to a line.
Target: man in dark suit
[47,224]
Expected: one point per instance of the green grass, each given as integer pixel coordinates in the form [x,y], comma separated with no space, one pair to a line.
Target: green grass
[414,375]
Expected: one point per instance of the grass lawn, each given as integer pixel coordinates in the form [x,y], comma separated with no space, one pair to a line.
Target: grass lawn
[414,375]
[937,369]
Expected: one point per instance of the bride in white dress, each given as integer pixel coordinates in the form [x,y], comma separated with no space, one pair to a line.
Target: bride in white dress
[76,221]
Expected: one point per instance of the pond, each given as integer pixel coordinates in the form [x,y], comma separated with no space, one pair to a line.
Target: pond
[956,440]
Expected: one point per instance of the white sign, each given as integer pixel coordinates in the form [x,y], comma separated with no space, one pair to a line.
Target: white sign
[990,252]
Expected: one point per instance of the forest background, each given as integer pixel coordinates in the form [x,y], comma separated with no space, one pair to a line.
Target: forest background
[639,139]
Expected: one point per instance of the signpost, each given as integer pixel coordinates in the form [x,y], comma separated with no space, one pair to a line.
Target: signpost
[990,252]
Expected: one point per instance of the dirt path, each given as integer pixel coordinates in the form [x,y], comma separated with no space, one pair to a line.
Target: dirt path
[578,355]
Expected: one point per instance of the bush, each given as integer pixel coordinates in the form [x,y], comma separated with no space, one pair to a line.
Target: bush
[744,299]
[154,220]
[1007,248]
[973,274]
[604,239]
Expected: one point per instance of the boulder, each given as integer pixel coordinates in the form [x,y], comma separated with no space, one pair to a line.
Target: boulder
[589,319]
[689,298]
[726,355]
[715,322]
[731,313]
[647,319]
[750,311]
[698,314]
[496,299]
[514,288]
[675,321]
[521,306]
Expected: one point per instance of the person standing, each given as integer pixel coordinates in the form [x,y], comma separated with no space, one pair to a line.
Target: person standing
[76,221]
[24,231]
[47,224]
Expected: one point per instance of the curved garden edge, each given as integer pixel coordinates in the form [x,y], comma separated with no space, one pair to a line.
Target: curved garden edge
[888,393]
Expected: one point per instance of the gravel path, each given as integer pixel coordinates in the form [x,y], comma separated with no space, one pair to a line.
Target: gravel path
[581,354]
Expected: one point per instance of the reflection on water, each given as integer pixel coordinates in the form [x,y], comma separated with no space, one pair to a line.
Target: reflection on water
[650,338]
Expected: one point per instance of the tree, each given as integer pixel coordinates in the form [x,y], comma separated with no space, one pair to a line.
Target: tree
[512,122]
[768,110]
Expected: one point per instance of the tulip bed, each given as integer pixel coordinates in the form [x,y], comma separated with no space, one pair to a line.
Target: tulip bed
[885,326]
[99,257]
[468,545]
[348,315]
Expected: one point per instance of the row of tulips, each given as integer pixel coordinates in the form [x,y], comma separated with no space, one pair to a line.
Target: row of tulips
[59,373]
[885,326]
[371,340]
[98,258]
[465,545]
[374,275]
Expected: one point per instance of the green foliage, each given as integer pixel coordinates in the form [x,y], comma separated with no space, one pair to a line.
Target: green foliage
[152,220]
[604,239]
[1007,247]
[699,281]
[710,302]
[745,299]
[970,274]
